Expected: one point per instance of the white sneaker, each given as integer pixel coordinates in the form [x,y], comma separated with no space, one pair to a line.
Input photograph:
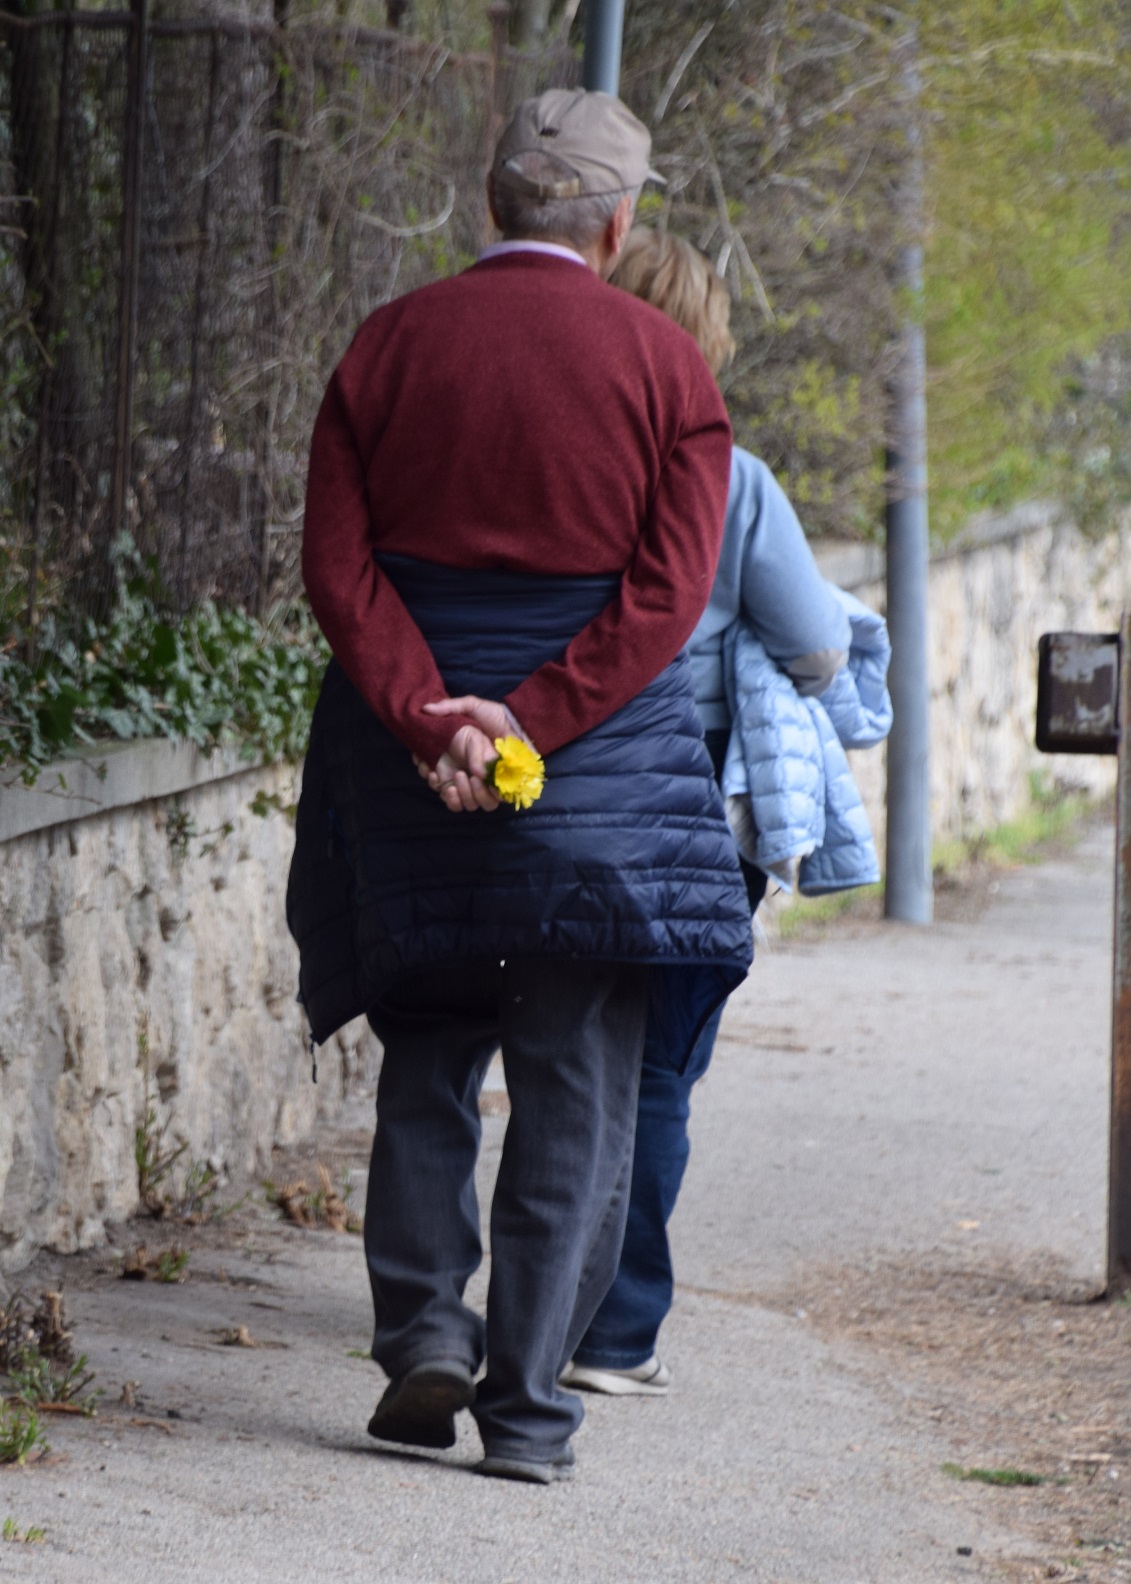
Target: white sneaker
[650,1379]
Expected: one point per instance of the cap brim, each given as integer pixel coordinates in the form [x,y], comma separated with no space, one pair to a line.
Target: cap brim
[654,176]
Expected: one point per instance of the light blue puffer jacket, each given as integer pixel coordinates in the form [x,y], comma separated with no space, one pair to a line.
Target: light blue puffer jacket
[789,790]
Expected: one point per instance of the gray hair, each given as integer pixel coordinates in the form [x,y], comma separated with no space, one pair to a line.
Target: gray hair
[576,220]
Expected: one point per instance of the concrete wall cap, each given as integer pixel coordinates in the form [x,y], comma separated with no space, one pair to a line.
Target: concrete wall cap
[109,776]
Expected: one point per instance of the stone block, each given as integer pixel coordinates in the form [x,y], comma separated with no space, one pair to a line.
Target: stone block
[145,964]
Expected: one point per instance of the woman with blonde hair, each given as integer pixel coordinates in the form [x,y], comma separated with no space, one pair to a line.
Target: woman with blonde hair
[667,271]
[768,589]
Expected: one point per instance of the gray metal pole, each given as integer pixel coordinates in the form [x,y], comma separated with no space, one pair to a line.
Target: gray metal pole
[604,29]
[908,893]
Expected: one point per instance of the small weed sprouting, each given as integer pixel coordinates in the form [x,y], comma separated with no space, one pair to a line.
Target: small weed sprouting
[154,1158]
[38,1357]
[992,1476]
[218,833]
[180,828]
[265,803]
[173,1264]
[181,831]
[157,1157]
[324,1206]
[33,1535]
[195,1203]
[40,1383]
[20,1433]
[170,1265]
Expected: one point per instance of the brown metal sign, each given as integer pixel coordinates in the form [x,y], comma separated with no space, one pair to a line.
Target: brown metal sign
[1078,693]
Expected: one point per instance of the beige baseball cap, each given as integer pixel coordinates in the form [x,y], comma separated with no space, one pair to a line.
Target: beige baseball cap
[596,135]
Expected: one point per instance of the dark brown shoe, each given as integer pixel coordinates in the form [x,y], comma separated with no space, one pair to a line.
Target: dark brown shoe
[420,1406]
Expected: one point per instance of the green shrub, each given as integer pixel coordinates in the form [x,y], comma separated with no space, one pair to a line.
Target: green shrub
[212,676]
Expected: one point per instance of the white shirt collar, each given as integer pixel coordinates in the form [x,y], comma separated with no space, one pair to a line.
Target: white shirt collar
[554,249]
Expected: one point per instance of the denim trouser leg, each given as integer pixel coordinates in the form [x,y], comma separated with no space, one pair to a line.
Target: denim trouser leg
[624,1330]
[421,1212]
[572,1036]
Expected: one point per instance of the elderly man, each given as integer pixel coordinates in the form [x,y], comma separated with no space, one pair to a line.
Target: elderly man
[517,485]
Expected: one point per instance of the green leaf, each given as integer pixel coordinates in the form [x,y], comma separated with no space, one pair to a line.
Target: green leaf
[164,645]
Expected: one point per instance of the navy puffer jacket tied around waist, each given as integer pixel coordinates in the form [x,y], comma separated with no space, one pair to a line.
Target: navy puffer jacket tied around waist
[626,856]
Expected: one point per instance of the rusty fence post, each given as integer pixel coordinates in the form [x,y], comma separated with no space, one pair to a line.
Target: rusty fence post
[1119,1191]
[136,74]
[203,259]
[262,484]
[49,329]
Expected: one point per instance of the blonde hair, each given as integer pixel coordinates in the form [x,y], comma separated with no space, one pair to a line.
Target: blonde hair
[676,278]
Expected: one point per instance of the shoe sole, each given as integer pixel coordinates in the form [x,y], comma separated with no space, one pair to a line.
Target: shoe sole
[609,1385]
[528,1472]
[421,1410]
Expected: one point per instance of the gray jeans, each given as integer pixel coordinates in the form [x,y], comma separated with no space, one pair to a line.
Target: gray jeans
[572,1034]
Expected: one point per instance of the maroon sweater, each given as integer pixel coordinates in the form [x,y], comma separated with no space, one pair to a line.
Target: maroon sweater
[521,415]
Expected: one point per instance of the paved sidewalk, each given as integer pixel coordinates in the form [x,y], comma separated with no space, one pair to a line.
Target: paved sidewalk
[882,1099]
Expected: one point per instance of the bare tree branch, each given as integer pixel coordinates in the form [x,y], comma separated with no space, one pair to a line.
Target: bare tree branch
[687,55]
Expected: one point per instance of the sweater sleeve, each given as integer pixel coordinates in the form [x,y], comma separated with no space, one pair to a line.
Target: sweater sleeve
[373,637]
[796,614]
[663,591]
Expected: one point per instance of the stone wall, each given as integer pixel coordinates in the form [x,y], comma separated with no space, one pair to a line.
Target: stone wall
[1009,579]
[145,961]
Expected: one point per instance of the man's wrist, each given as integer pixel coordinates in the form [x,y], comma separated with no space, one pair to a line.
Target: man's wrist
[433,735]
[515,727]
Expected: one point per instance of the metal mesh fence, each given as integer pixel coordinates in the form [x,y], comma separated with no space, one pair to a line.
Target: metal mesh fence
[194,217]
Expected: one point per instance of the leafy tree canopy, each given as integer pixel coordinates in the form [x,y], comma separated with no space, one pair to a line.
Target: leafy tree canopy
[1028,137]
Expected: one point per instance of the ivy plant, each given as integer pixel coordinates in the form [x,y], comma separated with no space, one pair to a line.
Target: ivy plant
[214,675]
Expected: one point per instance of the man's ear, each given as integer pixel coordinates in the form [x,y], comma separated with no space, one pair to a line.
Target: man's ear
[616,233]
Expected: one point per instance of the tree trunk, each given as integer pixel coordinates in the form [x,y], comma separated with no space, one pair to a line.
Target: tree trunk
[531,19]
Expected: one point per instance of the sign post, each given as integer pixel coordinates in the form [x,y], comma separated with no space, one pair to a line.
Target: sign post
[1084,706]
[1119,1191]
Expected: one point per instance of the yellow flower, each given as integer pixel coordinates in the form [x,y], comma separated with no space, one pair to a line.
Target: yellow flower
[518,774]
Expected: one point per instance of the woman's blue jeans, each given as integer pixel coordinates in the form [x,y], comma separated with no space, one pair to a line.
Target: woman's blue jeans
[623,1331]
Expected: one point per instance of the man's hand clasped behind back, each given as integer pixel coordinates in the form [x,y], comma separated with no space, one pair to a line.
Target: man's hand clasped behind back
[459,776]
